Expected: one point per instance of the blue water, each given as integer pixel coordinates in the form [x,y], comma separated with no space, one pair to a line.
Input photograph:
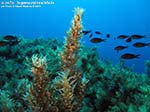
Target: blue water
[107,16]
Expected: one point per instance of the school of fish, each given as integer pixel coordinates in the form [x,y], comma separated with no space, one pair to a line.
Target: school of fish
[127,38]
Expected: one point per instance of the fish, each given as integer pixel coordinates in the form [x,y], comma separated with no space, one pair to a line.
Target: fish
[90,35]
[85,32]
[10,37]
[108,35]
[129,56]
[3,43]
[97,40]
[119,48]
[135,36]
[13,43]
[140,44]
[97,32]
[129,39]
[122,36]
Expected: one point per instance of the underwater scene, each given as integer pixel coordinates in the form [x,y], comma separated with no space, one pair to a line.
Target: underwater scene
[74,56]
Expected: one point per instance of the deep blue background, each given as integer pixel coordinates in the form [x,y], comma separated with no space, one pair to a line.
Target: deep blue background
[108,16]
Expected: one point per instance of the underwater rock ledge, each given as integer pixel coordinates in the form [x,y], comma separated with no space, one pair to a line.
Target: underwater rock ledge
[109,88]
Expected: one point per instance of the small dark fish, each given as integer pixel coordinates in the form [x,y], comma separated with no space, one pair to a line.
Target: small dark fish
[97,32]
[13,43]
[140,44]
[119,48]
[137,36]
[122,36]
[85,32]
[108,35]
[3,43]
[97,40]
[129,56]
[129,39]
[10,37]
[90,35]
